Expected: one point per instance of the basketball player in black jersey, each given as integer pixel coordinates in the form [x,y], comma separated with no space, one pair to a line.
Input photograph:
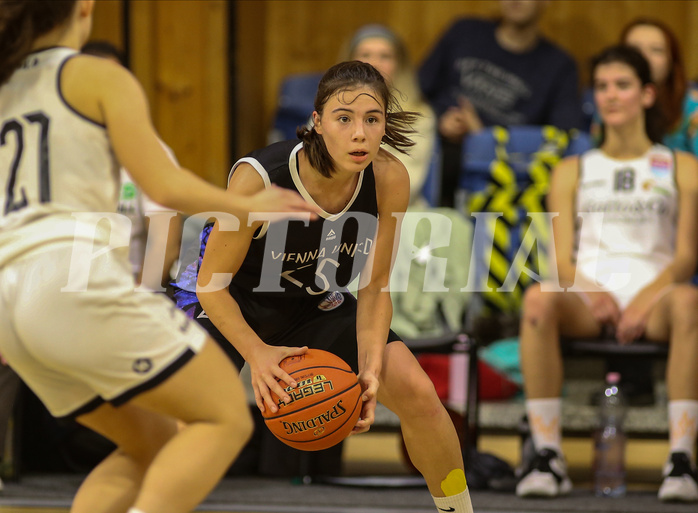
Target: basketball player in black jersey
[287,290]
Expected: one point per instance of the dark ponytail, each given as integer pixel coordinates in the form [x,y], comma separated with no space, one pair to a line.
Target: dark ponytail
[347,76]
[314,146]
[21,22]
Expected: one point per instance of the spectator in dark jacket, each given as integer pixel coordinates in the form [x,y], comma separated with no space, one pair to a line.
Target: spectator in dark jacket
[503,72]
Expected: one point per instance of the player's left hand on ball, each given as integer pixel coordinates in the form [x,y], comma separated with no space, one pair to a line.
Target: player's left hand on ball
[268,377]
[369,385]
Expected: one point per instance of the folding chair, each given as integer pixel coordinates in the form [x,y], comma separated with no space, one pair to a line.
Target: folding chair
[295,105]
[506,173]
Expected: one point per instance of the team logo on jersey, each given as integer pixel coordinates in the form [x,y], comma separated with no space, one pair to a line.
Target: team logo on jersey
[660,166]
[142,365]
[651,186]
[331,301]
[202,315]
[331,235]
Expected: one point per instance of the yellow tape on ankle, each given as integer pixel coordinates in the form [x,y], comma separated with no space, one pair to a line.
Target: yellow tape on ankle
[454,483]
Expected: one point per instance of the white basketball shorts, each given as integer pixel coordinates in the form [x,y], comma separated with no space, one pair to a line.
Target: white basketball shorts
[76,350]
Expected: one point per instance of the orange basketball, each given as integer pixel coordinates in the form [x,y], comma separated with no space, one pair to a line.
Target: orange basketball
[324,406]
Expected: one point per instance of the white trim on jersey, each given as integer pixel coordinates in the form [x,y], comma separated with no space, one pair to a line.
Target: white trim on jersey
[267,184]
[306,195]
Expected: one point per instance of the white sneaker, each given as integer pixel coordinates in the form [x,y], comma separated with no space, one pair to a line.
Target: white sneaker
[680,479]
[545,477]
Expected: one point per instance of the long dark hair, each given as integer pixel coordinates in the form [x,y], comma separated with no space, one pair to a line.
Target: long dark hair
[21,22]
[347,76]
[103,48]
[654,121]
[670,95]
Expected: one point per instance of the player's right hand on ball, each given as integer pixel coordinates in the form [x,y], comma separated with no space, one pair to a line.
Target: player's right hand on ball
[266,373]
[369,386]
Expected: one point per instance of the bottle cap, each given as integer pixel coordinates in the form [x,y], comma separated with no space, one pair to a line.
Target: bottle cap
[613,378]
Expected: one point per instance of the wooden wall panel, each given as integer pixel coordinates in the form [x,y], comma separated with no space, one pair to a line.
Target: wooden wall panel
[107,22]
[690,39]
[179,52]
[307,35]
[250,54]
[144,49]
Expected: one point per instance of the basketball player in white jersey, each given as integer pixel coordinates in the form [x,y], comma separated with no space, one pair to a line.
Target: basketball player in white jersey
[125,364]
[631,254]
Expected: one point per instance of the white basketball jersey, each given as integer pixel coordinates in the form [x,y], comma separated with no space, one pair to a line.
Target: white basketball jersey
[633,229]
[53,160]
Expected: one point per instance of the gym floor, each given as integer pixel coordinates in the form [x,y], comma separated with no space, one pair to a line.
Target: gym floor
[380,454]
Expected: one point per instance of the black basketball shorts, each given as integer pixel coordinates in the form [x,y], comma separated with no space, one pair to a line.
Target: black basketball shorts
[328,323]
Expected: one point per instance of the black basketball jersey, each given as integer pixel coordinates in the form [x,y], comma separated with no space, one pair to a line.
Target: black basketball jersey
[300,258]
[287,285]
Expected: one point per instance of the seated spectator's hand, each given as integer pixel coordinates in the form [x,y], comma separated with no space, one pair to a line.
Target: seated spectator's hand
[452,125]
[604,308]
[458,121]
[633,320]
[470,115]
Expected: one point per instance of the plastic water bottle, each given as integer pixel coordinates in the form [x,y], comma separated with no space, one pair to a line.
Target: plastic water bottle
[458,363]
[609,442]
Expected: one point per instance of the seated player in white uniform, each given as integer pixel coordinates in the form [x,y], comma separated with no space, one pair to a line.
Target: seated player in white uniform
[626,236]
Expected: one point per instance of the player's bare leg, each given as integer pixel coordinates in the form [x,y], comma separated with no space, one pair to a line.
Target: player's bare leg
[113,485]
[428,431]
[207,395]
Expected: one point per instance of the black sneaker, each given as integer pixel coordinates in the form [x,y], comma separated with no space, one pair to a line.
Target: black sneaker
[545,477]
[680,479]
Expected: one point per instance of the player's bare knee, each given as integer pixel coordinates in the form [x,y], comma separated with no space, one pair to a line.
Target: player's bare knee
[684,304]
[152,437]
[157,436]
[418,397]
[238,422]
[245,425]
[538,306]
